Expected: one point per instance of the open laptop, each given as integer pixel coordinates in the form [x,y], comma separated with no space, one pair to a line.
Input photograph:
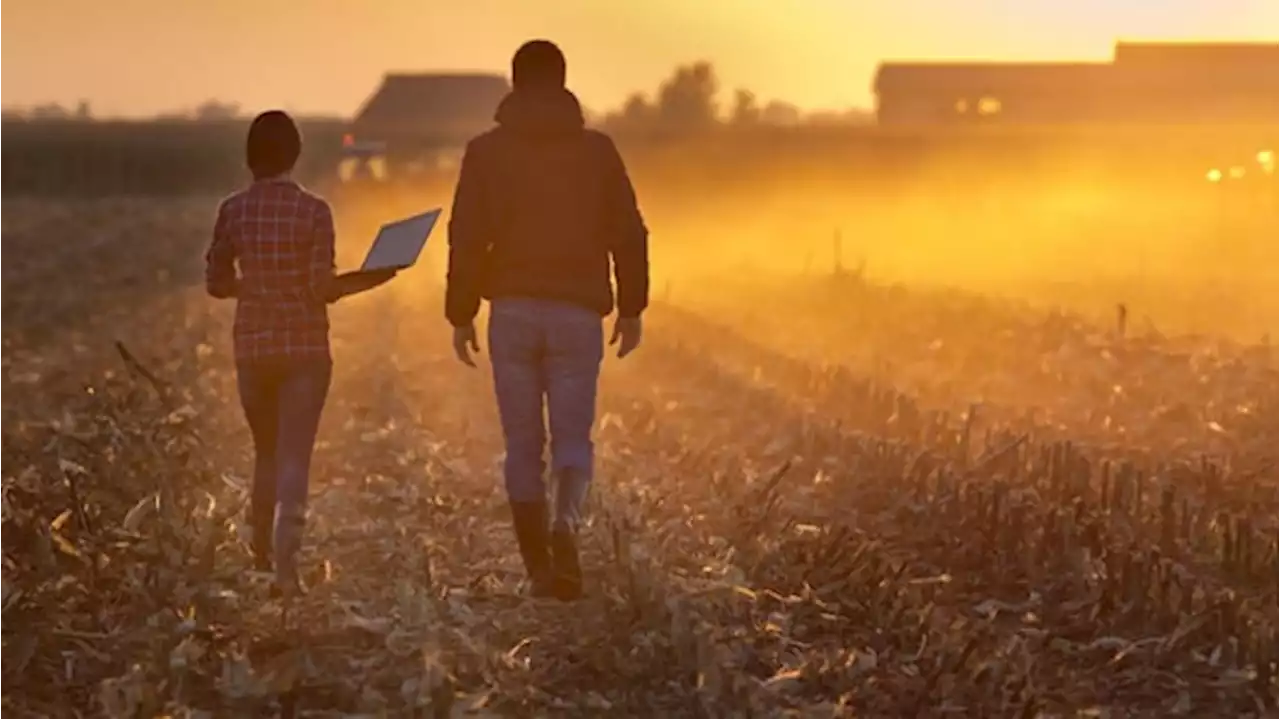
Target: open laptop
[399,243]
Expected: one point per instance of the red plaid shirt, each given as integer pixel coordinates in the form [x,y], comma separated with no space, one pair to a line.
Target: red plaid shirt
[282,239]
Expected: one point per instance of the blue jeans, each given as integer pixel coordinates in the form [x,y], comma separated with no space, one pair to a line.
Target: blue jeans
[546,355]
[282,400]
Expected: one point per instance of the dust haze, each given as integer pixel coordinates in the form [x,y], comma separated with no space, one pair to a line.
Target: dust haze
[965,406]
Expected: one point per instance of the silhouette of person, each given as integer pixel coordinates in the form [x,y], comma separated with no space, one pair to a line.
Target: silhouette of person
[542,207]
[273,252]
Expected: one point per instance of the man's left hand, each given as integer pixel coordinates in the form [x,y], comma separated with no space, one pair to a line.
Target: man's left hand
[464,343]
[626,335]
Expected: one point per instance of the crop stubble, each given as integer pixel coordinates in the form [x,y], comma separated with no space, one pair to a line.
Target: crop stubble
[771,537]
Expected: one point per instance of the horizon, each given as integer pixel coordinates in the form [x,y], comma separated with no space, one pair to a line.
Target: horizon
[820,59]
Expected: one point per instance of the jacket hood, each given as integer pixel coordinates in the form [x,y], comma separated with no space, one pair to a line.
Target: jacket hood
[540,112]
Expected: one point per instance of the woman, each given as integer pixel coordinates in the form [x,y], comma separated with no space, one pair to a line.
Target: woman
[281,238]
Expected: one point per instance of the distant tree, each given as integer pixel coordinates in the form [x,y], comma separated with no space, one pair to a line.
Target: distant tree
[638,109]
[49,111]
[780,113]
[746,110]
[83,111]
[853,116]
[637,113]
[214,110]
[687,100]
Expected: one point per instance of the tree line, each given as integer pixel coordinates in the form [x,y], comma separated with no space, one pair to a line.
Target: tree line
[207,111]
[687,101]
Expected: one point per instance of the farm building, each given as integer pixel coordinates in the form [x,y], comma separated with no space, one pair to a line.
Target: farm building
[1146,83]
[414,104]
[418,121]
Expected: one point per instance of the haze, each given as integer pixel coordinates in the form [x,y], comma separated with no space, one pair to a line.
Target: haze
[140,57]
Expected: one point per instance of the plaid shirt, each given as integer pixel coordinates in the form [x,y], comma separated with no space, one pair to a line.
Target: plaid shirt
[282,239]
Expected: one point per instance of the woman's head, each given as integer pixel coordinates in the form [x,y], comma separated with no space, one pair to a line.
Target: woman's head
[273,144]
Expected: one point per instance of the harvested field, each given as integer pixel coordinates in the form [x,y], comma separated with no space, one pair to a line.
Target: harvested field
[917,505]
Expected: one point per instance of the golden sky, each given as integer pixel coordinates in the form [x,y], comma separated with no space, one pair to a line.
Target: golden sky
[144,56]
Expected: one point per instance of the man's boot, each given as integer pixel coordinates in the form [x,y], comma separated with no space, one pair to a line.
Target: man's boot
[570,496]
[530,522]
[567,584]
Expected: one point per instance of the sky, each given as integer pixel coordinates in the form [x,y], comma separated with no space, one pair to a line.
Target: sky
[140,57]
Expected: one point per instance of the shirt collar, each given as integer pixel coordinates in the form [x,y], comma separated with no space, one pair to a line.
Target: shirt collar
[282,177]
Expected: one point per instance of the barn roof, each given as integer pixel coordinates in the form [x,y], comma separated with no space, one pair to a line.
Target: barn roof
[989,77]
[1214,68]
[449,103]
[1217,56]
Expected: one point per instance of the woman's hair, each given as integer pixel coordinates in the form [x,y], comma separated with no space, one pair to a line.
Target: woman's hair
[273,144]
[538,64]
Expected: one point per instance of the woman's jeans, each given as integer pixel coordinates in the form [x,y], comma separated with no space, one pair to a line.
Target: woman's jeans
[282,399]
[546,355]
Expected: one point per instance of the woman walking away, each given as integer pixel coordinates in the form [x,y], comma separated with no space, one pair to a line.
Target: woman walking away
[281,239]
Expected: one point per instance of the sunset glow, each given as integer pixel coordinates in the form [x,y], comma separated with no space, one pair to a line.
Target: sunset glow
[138,57]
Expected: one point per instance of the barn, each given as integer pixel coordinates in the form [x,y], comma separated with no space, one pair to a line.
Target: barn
[419,111]
[419,122]
[1145,83]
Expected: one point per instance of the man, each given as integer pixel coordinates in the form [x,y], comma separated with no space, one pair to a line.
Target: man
[542,206]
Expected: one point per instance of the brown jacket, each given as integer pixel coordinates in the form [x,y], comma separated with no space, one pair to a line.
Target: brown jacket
[541,208]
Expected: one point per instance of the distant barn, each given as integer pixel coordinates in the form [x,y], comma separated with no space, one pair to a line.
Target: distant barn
[1147,83]
[419,120]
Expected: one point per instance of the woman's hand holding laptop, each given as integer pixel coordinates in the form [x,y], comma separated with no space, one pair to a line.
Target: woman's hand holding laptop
[396,247]
[357,281]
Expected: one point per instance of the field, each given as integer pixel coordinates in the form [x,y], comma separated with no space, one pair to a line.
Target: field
[819,494]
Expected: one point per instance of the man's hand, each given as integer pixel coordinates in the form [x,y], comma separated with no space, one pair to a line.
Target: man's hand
[626,335]
[464,343]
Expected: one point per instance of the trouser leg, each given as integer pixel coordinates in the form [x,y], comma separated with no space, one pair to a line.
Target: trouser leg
[575,347]
[515,346]
[259,399]
[302,394]
[516,350]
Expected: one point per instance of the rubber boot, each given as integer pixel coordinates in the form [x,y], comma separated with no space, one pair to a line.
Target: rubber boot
[567,582]
[570,496]
[291,523]
[530,522]
[261,524]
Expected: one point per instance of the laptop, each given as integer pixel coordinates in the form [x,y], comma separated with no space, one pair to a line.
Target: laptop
[399,243]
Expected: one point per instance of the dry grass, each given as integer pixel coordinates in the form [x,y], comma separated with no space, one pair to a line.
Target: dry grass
[772,535]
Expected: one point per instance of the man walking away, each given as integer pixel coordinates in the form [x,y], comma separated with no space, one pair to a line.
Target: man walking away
[541,208]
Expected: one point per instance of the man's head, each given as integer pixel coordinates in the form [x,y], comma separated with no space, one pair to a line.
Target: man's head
[273,145]
[538,65]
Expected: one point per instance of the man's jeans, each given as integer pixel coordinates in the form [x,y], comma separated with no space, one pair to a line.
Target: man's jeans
[282,400]
[546,353]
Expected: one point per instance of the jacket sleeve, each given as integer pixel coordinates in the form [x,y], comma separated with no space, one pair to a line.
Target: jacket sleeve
[220,260]
[629,238]
[469,239]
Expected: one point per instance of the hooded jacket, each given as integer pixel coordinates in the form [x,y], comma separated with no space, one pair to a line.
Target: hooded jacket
[542,206]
